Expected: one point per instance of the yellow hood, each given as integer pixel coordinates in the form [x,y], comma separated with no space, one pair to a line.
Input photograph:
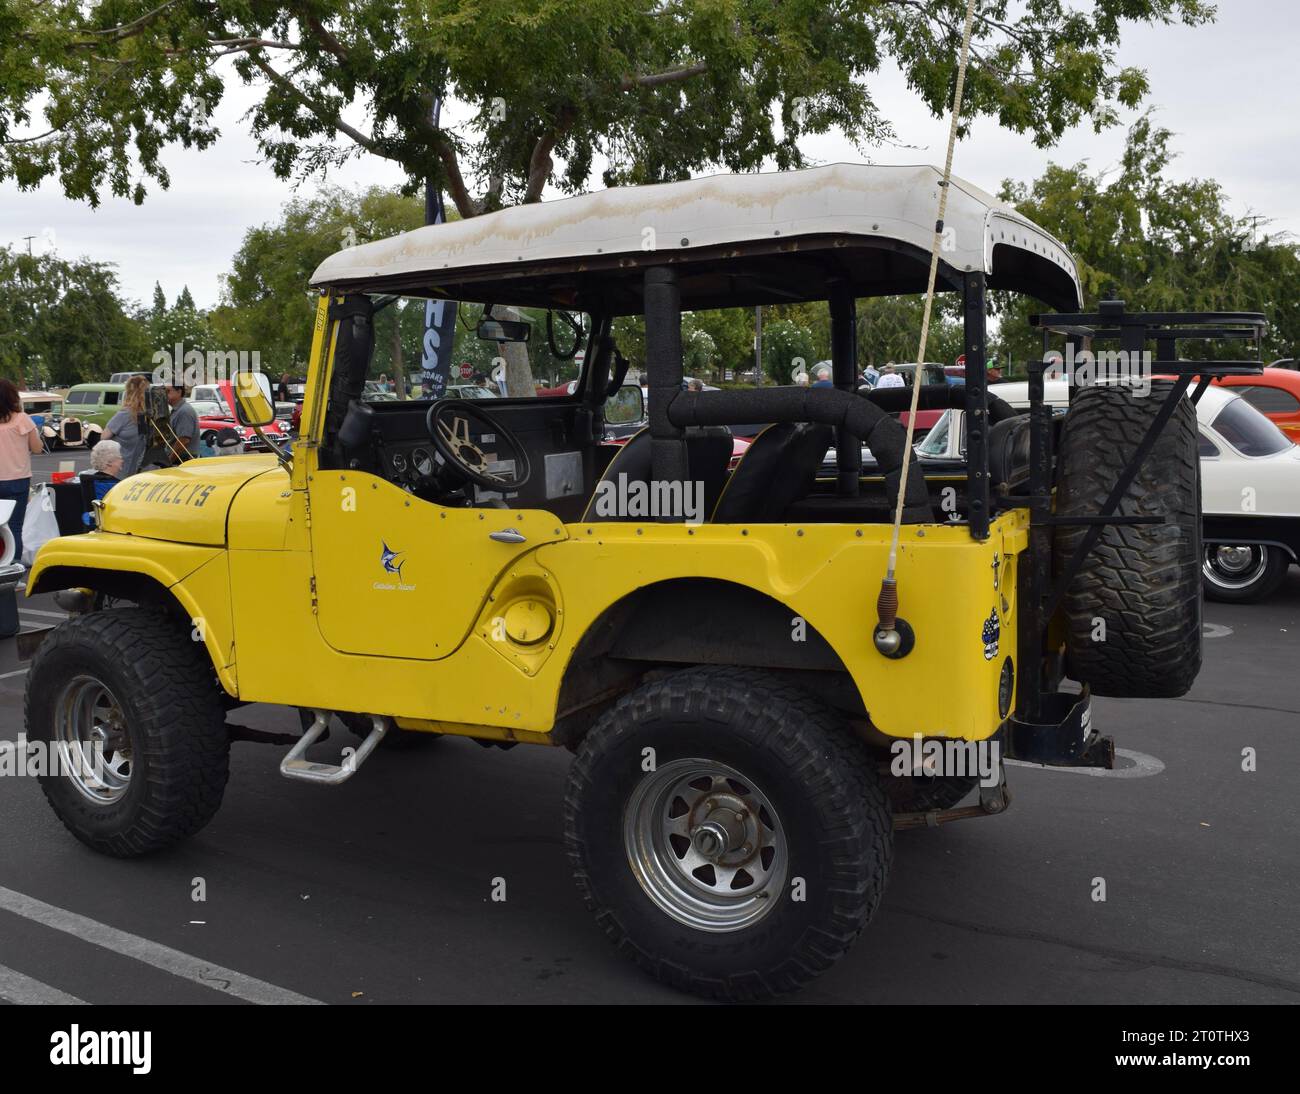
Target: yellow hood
[185,504]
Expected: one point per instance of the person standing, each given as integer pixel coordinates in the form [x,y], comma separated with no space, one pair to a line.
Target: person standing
[19,441]
[127,425]
[185,425]
[890,378]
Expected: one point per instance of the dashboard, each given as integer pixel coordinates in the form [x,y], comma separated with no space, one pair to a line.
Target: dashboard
[411,464]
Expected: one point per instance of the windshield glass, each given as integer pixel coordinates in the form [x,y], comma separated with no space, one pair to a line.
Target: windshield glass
[501,353]
[936,441]
[1248,431]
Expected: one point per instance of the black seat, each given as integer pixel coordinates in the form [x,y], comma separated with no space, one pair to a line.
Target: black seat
[708,451]
[1009,452]
[779,468]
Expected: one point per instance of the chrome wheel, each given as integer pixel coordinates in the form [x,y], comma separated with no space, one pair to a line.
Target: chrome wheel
[706,845]
[1235,565]
[90,735]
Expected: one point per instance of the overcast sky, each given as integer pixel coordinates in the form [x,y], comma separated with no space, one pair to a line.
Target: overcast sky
[1227,90]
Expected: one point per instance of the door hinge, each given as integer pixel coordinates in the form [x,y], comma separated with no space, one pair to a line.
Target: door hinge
[313,595]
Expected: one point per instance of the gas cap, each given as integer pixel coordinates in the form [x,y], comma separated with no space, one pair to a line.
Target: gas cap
[529,621]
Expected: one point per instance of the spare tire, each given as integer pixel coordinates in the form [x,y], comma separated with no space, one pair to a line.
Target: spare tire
[1133,610]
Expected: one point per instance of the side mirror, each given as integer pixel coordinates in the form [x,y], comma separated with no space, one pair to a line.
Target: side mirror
[626,406]
[504,330]
[253,403]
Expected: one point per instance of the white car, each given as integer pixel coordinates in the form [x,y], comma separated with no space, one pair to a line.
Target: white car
[1250,486]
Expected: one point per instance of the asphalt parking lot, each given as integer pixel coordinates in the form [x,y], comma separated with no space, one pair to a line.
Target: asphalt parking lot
[380,891]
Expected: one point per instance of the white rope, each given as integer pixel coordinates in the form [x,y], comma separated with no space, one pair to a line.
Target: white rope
[918,377]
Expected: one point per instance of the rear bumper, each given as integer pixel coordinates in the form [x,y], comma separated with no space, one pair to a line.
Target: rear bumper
[1063,736]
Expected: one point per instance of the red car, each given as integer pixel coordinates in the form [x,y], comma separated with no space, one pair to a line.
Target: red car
[212,424]
[1275,393]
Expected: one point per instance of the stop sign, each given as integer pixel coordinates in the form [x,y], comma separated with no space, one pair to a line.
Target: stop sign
[466,371]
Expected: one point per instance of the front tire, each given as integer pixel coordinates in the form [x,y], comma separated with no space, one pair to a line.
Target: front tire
[1241,573]
[132,680]
[729,834]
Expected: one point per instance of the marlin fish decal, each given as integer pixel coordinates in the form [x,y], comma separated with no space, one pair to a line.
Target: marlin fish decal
[388,558]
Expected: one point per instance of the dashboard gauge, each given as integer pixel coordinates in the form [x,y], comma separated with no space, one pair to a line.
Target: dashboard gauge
[399,463]
[423,462]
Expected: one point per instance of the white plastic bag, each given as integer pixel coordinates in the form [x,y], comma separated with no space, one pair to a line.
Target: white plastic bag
[40,524]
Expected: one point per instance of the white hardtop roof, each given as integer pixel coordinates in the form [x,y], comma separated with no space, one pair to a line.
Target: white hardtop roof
[889,204]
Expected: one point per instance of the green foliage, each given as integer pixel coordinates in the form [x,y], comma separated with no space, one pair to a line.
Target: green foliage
[93,91]
[787,346]
[62,322]
[180,325]
[889,329]
[1156,244]
[266,305]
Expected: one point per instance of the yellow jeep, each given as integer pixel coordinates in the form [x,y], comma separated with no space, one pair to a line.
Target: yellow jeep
[708,635]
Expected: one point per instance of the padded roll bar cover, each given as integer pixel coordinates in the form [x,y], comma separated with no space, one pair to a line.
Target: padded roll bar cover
[871,424]
[898,400]
[356,339]
[663,352]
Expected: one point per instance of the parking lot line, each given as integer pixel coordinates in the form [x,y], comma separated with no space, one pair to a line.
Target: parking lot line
[180,964]
[24,991]
[46,615]
[16,672]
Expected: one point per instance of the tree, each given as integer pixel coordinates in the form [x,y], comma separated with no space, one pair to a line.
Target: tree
[889,329]
[732,333]
[787,347]
[1157,244]
[699,351]
[63,322]
[659,90]
[266,304]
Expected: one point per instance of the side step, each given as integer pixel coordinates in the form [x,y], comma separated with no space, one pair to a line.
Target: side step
[295,766]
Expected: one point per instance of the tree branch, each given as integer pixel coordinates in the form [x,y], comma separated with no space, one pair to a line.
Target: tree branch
[325,37]
[128,30]
[672,76]
[460,197]
[282,82]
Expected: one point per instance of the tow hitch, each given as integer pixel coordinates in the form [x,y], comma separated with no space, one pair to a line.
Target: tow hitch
[296,766]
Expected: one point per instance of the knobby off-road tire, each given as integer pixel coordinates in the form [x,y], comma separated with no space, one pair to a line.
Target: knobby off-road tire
[137,675]
[1142,580]
[798,797]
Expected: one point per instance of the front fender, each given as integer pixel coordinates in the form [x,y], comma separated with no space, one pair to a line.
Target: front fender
[196,577]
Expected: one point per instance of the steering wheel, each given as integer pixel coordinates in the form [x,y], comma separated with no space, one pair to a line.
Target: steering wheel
[450,435]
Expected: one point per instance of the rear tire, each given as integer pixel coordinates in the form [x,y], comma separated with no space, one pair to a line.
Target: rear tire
[1133,610]
[134,680]
[768,775]
[1242,573]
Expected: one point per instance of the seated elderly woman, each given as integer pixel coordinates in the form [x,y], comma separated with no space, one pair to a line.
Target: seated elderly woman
[106,468]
